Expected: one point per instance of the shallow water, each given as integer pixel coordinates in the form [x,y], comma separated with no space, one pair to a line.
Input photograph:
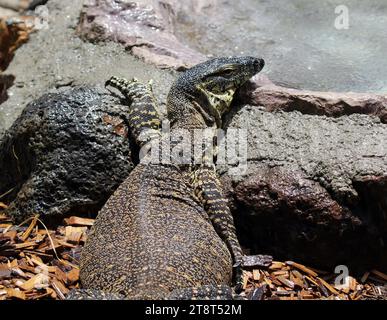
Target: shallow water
[298,39]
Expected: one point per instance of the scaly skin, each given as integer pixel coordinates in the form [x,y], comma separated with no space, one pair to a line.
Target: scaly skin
[144,248]
[167,232]
[144,118]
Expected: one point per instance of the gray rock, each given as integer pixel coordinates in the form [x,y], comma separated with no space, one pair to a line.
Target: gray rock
[66,153]
[315,189]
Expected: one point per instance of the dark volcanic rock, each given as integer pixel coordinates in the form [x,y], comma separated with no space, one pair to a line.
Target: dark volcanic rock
[315,188]
[66,153]
[145,28]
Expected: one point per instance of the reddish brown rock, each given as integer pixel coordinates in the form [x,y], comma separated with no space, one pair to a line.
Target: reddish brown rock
[145,28]
[331,104]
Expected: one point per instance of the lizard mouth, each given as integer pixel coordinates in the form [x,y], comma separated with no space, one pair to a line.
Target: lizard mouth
[218,103]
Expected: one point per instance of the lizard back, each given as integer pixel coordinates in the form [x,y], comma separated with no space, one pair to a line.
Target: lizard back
[151,237]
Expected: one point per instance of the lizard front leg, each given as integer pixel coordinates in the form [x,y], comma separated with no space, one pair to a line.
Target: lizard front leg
[144,116]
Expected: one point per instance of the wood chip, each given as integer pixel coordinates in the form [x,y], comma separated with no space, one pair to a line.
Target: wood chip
[268,282]
[38,253]
[286,282]
[31,270]
[246,276]
[13,264]
[60,275]
[32,225]
[284,293]
[11,235]
[69,264]
[39,281]
[37,260]
[276,265]
[352,283]
[256,275]
[5,271]
[74,234]
[302,268]
[365,277]
[73,275]
[322,288]
[60,289]
[380,274]
[63,243]
[281,273]
[43,267]
[47,246]
[328,286]
[306,295]
[15,293]
[19,273]
[77,221]
[258,293]
[28,268]
[3,206]
[297,278]
[24,245]
[311,280]
[52,293]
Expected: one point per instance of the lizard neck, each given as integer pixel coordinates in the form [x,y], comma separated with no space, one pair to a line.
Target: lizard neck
[187,113]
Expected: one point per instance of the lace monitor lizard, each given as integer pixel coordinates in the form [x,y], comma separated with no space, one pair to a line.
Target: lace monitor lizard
[167,232]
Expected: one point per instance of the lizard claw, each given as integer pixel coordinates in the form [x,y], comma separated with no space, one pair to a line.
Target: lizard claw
[109,82]
[238,272]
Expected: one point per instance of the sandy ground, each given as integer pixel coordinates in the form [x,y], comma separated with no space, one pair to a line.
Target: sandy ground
[55,58]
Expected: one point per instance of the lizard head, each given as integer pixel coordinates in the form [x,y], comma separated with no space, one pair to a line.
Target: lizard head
[209,87]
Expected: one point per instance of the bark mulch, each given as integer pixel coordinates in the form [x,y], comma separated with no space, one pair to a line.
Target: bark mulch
[37,263]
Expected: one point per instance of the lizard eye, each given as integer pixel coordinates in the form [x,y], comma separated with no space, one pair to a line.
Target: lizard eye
[228,72]
[223,73]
